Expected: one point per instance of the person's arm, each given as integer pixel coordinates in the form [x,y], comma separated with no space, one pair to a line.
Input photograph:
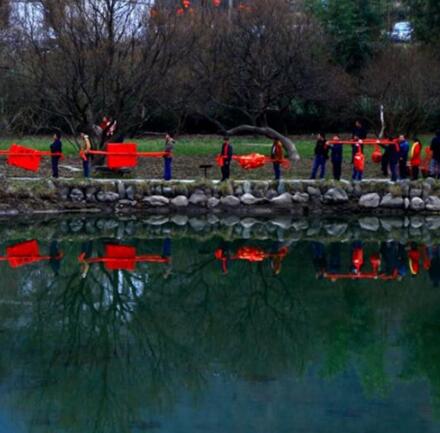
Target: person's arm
[87,143]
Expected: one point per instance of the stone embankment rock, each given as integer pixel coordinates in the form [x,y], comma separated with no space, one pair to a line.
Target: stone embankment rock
[251,198]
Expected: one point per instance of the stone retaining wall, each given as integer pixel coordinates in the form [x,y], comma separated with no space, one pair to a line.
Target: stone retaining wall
[258,198]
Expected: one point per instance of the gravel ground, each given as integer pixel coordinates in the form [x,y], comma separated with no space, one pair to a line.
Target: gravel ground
[188,167]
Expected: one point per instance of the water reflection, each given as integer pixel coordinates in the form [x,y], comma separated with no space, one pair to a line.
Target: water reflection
[126,326]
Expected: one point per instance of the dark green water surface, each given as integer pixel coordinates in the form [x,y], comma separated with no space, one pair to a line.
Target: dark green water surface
[180,325]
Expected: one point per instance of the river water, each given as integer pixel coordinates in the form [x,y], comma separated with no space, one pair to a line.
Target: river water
[183,325]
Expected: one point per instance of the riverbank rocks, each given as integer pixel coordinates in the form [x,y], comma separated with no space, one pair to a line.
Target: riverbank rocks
[107,196]
[180,201]
[230,201]
[391,202]
[213,202]
[76,195]
[433,203]
[300,197]
[335,195]
[249,199]
[417,204]
[156,201]
[370,201]
[198,199]
[245,198]
[282,201]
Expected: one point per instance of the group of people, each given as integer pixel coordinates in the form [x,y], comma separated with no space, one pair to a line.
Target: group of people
[400,159]
[391,260]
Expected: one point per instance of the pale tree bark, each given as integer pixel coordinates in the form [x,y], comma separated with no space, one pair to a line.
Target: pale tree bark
[289,145]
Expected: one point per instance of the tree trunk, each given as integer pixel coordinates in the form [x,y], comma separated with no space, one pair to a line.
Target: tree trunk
[288,144]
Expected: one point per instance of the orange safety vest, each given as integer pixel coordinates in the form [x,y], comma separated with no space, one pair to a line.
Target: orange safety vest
[416,154]
[359,160]
[358,258]
[414,261]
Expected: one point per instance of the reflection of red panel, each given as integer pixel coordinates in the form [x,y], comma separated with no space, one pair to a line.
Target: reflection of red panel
[127,155]
[23,254]
[30,160]
[120,257]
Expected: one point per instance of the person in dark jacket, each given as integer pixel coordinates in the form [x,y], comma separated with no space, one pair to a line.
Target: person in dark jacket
[359,133]
[393,159]
[56,148]
[321,156]
[403,157]
[226,157]
[277,156]
[435,149]
[336,158]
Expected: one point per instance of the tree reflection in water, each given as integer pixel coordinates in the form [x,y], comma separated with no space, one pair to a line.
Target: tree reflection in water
[92,349]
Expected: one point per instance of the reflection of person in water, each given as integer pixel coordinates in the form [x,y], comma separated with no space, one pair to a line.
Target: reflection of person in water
[388,251]
[434,270]
[402,260]
[223,254]
[166,254]
[357,257]
[278,253]
[86,253]
[55,257]
[319,259]
[414,259]
[334,262]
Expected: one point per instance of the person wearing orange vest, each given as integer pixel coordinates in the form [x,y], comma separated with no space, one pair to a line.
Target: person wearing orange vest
[358,162]
[376,262]
[226,156]
[277,156]
[357,257]
[415,158]
[414,259]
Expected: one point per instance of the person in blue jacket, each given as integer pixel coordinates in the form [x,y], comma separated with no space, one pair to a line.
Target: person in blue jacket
[403,157]
[56,148]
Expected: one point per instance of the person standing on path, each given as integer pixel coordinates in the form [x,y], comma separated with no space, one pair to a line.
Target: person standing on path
[403,157]
[415,158]
[56,149]
[86,147]
[226,158]
[277,156]
[168,159]
[336,158]
[321,156]
[435,150]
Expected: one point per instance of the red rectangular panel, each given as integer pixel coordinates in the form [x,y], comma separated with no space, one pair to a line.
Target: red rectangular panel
[121,155]
[23,254]
[120,257]
[30,160]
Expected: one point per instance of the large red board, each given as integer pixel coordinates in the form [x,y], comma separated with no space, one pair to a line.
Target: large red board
[121,155]
[25,158]
[23,254]
[120,257]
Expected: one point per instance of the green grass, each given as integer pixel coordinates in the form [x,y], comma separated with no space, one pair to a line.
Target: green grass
[186,145]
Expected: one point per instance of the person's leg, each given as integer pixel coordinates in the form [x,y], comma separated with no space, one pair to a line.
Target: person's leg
[403,169]
[86,168]
[338,170]
[393,169]
[322,174]
[54,161]
[227,170]
[315,167]
[415,173]
[167,168]
[277,170]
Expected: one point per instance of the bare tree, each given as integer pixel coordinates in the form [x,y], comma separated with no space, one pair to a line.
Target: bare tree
[94,57]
